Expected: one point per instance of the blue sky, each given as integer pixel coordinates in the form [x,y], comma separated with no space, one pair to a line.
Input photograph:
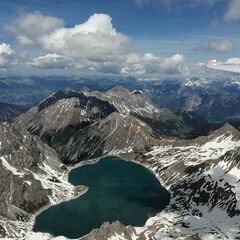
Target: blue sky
[196,29]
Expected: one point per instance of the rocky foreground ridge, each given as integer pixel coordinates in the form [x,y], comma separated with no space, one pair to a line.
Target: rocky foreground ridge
[68,127]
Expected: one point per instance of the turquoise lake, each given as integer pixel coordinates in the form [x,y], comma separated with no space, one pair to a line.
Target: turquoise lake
[118,190]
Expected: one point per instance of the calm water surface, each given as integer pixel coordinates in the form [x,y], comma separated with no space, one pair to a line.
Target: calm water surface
[118,190]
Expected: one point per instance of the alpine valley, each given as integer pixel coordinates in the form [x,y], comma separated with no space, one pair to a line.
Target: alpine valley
[197,161]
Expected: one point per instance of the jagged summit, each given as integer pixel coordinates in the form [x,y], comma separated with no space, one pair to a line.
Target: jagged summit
[85,102]
[224,133]
[164,121]
[63,112]
[126,101]
[227,129]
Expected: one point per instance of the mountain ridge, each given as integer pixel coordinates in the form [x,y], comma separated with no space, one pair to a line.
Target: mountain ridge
[200,173]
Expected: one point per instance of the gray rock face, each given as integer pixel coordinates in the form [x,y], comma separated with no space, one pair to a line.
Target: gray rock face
[203,190]
[122,134]
[61,110]
[81,126]
[23,150]
[127,101]
[164,122]
[86,125]
[20,196]
[2,232]
[201,183]
[193,237]
[202,175]
[61,115]
[107,230]
[21,155]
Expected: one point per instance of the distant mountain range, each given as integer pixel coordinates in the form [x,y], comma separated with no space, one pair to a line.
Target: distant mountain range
[10,111]
[215,100]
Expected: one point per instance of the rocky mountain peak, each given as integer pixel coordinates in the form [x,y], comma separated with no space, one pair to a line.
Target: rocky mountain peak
[126,101]
[63,113]
[114,230]
[86,102]
[227,129]
[56,96]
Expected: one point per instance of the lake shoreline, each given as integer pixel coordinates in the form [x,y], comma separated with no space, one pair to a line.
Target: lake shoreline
[120,158]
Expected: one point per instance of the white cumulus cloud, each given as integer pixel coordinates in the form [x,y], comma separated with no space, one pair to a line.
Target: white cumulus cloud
[173,64]
[94,45]
[50,61]
[6,54]
[149,63]
[94,40]
[30,27]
